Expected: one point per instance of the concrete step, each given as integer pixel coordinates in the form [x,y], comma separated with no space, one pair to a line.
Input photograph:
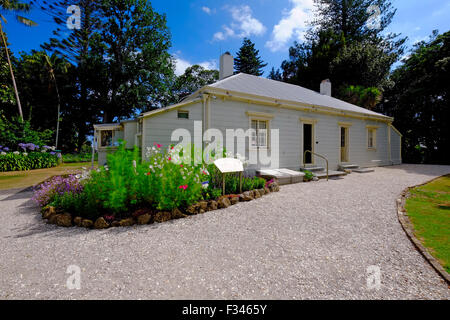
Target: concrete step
[363,170]
[331,174]
[312,169]
[348,166]
[283,176]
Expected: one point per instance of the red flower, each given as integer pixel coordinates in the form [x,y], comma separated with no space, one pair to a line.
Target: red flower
[181,165]
[148,173]
[184,187]
[170,159]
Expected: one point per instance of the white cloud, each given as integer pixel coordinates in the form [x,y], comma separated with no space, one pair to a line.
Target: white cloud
[243,24]
[292,26]
[181,65]
[206,10]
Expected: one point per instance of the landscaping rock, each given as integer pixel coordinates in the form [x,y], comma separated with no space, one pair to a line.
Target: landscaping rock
[141,212]
[203,206]
[128,222]
[212,205]
[163,216]
[256,194]
[177,214]
[247,196]
[77,221]
[53,218]
[64,220]
[267,190]
[274,187]
[101,223]
[115,224]
[144,219]
[262,191]
[48,211]
[86,223]
[234,200]
[193,209]
[224,202]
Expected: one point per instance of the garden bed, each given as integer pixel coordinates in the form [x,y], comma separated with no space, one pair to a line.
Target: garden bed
[145,216]
[164,186]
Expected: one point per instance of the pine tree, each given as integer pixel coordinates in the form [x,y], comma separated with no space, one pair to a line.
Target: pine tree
[248,60]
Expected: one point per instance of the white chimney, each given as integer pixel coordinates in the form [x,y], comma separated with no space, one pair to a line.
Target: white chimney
[325,87]
[226,65]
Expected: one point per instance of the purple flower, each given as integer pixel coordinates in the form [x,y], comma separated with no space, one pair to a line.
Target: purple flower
[46,192]
[6,149]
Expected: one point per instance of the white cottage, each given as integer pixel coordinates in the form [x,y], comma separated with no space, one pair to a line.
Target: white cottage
[346,135]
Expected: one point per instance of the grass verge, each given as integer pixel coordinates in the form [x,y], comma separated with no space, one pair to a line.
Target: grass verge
[428,208]
[24,179]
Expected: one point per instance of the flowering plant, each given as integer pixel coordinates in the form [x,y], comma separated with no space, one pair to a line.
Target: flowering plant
[45,193]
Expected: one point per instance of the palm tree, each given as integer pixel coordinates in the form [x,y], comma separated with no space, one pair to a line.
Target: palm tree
[51,63]
[16,6]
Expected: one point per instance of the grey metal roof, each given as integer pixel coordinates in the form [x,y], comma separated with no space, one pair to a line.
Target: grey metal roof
[259,86]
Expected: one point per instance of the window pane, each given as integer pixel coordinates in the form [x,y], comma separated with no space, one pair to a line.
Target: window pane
[254,124]
[106,138]
[262,137]
[370,142]
[262,125]
[183,114]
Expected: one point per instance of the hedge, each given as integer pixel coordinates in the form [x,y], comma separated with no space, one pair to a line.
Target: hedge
[34,160]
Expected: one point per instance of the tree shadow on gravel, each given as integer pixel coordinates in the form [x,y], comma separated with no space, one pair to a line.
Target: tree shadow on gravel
[422,169]
[17,194]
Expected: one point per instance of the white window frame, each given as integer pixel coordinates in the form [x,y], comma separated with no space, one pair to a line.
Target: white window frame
[372,130]
[259,117]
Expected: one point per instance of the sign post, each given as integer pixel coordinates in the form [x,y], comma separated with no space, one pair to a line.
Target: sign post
[229,165]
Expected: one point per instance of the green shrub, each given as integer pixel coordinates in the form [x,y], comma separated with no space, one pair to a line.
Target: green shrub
[308,175]
[14,131]
[22,161]
[78,157]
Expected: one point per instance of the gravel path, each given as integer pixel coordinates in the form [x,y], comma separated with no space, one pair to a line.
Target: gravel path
[311,240]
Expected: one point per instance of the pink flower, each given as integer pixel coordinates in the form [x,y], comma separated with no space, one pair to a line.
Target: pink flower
[181,165]
[184,187]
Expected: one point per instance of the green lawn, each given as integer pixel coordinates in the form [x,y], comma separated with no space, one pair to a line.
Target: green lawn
[429,210]
[23,179]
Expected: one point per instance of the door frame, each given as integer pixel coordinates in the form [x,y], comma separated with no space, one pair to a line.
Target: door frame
[346,126]
[313,123]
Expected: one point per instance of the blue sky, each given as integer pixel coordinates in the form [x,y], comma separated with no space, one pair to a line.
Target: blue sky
[202,29]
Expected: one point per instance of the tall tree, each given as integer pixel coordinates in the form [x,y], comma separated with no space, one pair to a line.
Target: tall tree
[44,88]
[75,45]
[348,45]
[248,60]
[420,99]
[192,79]
[275,74]
[14,6]
[134,40]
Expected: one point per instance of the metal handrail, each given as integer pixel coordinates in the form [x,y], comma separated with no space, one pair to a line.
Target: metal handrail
[313,153]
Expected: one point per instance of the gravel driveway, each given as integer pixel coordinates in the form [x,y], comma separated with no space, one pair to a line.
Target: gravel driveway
[311,240]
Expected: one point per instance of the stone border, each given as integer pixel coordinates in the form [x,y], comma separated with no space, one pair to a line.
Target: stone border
[409,230]
[149,216]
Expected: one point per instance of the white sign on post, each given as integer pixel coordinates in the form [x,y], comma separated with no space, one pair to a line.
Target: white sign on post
[228,165]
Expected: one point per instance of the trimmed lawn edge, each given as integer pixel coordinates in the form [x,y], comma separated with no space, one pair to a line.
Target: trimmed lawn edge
[409,230]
